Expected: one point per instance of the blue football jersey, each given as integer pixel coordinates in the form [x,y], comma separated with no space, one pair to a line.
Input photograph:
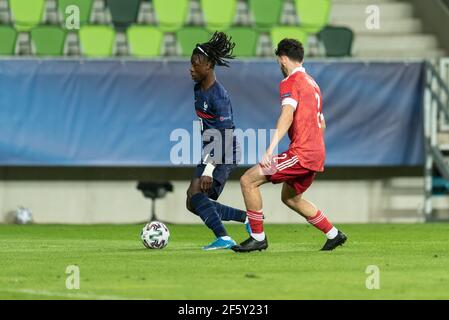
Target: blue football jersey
[213,107]
[214,110]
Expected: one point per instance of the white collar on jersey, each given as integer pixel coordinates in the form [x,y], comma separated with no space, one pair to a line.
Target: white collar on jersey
[298,69]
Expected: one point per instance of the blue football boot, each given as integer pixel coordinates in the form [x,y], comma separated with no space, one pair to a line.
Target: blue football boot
[220,243]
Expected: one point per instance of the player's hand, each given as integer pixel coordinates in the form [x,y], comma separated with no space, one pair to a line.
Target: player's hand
[206,184]
[267,160]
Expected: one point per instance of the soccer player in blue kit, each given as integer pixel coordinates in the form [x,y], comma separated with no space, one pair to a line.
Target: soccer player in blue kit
[214,110]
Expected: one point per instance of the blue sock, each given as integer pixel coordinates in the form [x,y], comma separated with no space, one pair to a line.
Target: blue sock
[230,214]
[205,208]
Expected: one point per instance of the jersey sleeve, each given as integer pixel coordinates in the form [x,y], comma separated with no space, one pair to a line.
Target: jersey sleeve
[288,94]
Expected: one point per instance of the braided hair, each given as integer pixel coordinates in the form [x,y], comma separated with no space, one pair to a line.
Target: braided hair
[217,49]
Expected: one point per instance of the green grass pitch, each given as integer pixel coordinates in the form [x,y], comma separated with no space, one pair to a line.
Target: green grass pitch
[413,262]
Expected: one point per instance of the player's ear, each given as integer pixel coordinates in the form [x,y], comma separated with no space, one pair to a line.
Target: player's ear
[209,65]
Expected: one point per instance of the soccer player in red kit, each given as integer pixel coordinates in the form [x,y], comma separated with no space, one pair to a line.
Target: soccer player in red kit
[302,117]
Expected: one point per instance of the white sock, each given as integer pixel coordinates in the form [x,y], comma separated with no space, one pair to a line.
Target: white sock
[258,236]
[226,238]
[332,233]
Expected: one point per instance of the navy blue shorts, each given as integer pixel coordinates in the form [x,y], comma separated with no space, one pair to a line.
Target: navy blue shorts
[221,175]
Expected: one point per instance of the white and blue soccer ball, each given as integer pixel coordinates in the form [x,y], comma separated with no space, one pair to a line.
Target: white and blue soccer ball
[23,216]
[155,235]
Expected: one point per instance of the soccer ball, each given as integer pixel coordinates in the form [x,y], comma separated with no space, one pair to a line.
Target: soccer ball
[23,216]
[155,235]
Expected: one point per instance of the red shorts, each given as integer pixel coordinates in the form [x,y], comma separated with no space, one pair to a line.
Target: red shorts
[286,168]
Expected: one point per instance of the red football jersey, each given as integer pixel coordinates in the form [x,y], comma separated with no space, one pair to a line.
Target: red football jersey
[306,132]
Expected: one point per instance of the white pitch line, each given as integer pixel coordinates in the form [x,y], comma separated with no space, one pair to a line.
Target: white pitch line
[65,295]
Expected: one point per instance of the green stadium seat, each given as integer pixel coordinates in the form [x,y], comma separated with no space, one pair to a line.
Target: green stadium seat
[144,41]
[218,15]
[85,7]
[26,14]
[48,40]
[8,38]
[313,15]
[123,13]
[279,33]
[245,41]
[266,13]
[97,40]
[188,37]
[171,14]
[337,41]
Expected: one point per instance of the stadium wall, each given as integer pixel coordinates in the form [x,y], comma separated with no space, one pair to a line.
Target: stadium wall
[101,195]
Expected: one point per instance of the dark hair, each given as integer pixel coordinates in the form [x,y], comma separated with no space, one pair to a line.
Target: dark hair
[291,48]
[217,49]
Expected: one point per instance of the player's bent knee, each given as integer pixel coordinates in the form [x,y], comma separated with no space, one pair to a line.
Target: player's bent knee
[285,199]
[189,204]
[289,202]
[245,181]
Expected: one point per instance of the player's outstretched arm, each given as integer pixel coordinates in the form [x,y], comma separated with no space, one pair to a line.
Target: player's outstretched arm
[283,124]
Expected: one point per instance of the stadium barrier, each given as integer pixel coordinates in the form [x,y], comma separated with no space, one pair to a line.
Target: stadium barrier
[119,112]
[436,129]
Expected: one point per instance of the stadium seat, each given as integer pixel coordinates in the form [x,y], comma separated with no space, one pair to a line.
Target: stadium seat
[337,41]
[123,13]
[26,14]
[189,37]
[313,15]
[169,19]
[85,7]
[245,41]
[8,38]
[97,40]
[266,13]
[48,40]
[279,33]
[218,15]
[144,41]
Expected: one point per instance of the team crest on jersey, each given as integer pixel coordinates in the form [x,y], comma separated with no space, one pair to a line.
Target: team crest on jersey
[205,106]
